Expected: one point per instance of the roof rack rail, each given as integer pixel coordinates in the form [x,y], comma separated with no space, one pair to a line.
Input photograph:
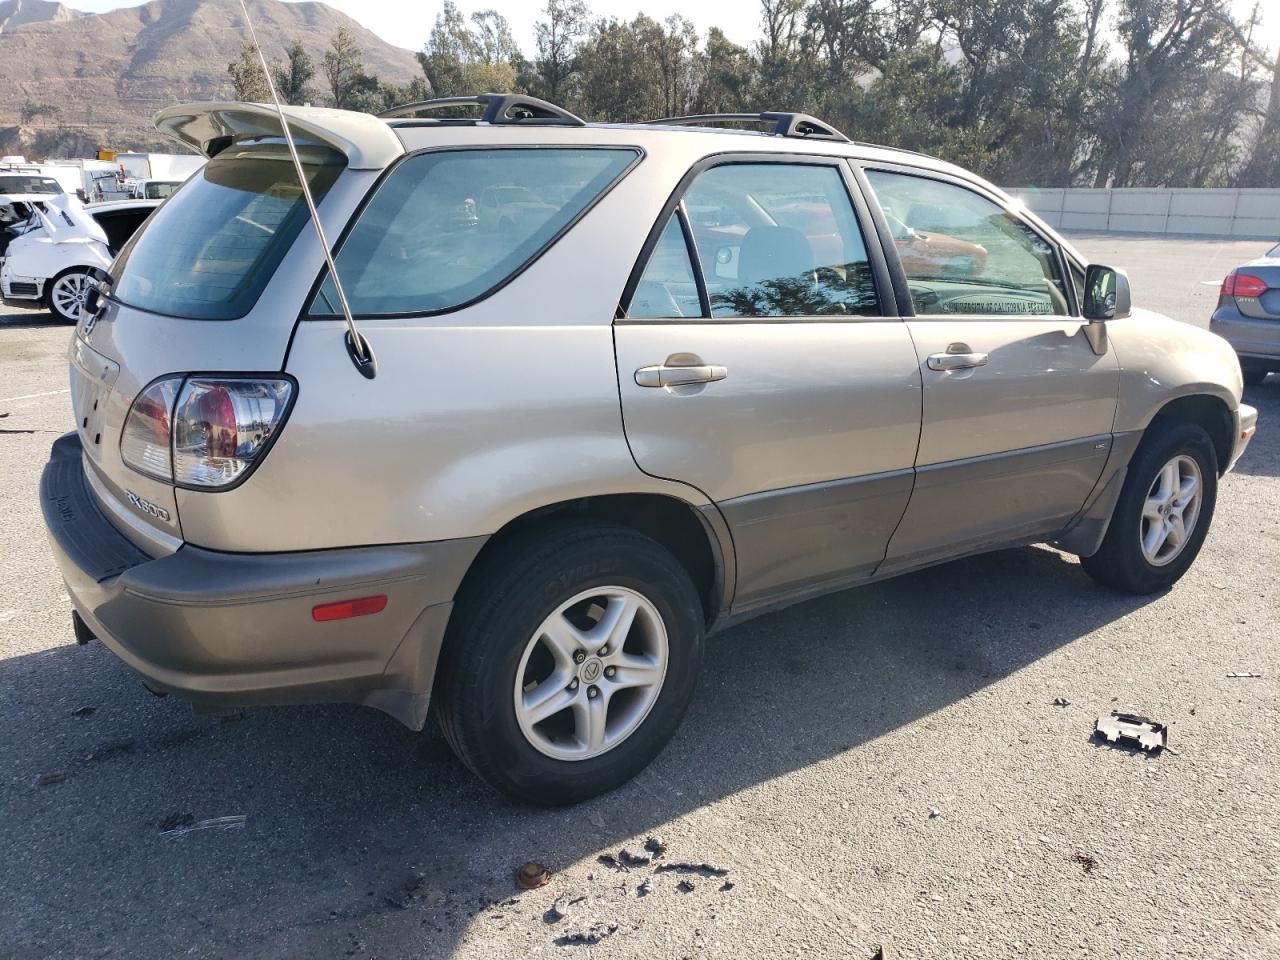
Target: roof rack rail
[499,108]
[799,125]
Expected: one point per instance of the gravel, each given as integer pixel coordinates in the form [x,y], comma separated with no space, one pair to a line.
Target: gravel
[908,764]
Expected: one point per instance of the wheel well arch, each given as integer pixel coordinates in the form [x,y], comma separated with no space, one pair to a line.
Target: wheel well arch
[691,536]
[1209,412]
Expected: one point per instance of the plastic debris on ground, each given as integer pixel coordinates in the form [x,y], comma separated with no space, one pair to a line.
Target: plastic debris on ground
[701,869]
[589,937]
[1133,730]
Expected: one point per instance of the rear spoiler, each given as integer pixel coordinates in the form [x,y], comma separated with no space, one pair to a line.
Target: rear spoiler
[207,128]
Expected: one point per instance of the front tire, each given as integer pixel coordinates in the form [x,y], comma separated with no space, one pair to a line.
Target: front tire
[569,662]
[66,292]
[1163,514]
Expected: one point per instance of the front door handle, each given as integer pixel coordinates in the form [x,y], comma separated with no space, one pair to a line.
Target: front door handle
[957,357]
[662,375]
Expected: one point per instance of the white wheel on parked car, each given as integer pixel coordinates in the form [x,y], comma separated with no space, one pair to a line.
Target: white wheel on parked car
[67,293]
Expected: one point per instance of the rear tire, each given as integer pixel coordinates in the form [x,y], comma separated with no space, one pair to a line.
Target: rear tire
[1253,375]
[1163,514]
[607,724]
[65,294]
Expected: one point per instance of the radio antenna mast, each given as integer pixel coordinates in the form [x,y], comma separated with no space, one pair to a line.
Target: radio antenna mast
[357,346]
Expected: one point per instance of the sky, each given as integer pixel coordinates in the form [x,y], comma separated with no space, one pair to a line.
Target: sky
[407,24]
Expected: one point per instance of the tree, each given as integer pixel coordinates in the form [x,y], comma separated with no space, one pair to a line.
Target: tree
[294,76]
[557,39]
[465,57]
[247,76]
[34,109]
[727,77]
[1263,168]
[1173,50]
[343,70]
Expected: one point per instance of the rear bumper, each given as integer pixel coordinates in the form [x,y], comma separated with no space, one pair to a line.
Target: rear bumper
[1253,339]
[226,630]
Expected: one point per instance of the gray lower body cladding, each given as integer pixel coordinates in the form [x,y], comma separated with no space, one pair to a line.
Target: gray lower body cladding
[227,629]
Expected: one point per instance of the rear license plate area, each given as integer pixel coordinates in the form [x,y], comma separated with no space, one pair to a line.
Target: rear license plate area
[92,378]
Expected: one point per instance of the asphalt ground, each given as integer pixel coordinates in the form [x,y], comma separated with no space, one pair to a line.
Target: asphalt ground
[885,766]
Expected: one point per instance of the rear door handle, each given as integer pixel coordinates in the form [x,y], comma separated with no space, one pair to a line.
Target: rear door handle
[957,357]
[662,375]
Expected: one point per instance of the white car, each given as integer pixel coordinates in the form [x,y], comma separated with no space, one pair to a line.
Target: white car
[52,244]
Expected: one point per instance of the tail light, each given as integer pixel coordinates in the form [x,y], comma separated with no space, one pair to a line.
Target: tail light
[203,432]
[1243,285]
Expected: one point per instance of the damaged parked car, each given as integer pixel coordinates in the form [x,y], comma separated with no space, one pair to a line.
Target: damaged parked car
[568,397]
[52,245]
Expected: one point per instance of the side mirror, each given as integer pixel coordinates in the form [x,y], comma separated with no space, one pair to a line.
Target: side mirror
[1106,293]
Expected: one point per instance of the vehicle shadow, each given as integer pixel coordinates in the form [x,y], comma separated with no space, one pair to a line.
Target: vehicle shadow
[361,834]
[23,319]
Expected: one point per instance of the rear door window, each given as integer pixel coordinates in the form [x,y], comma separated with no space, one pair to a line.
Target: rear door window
[779,240]
[209,251]
[445,228]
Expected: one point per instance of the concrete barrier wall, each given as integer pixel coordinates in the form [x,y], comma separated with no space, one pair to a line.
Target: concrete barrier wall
[1219,213]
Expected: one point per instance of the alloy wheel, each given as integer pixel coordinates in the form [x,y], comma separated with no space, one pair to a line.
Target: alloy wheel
[591,673]
[1171,509]
[69,293]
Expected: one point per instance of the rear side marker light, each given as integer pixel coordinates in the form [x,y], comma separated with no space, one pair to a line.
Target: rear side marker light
[346,609]
[1243,285]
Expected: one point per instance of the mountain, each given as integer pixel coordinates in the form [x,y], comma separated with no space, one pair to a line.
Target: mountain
[14,13]
[106,74]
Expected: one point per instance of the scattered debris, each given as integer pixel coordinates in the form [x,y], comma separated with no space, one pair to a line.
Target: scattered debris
[554,914]
[934,813]
[701,869]
[684,886]
[656,846]
[1061,702]
[45,779]
[408,891]
[175,820]
[633,859]
[727,886]
[589,938]
[111,748]
[610,861]
[84,712]
[532,875]
[1245,676]
[1134,729]
[644,889]
[881,953]
[214,823]
[1085,861]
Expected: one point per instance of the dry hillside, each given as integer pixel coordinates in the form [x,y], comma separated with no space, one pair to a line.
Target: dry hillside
[108,73]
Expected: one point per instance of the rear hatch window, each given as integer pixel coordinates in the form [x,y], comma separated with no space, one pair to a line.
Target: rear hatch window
[446,228]
[209,251]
